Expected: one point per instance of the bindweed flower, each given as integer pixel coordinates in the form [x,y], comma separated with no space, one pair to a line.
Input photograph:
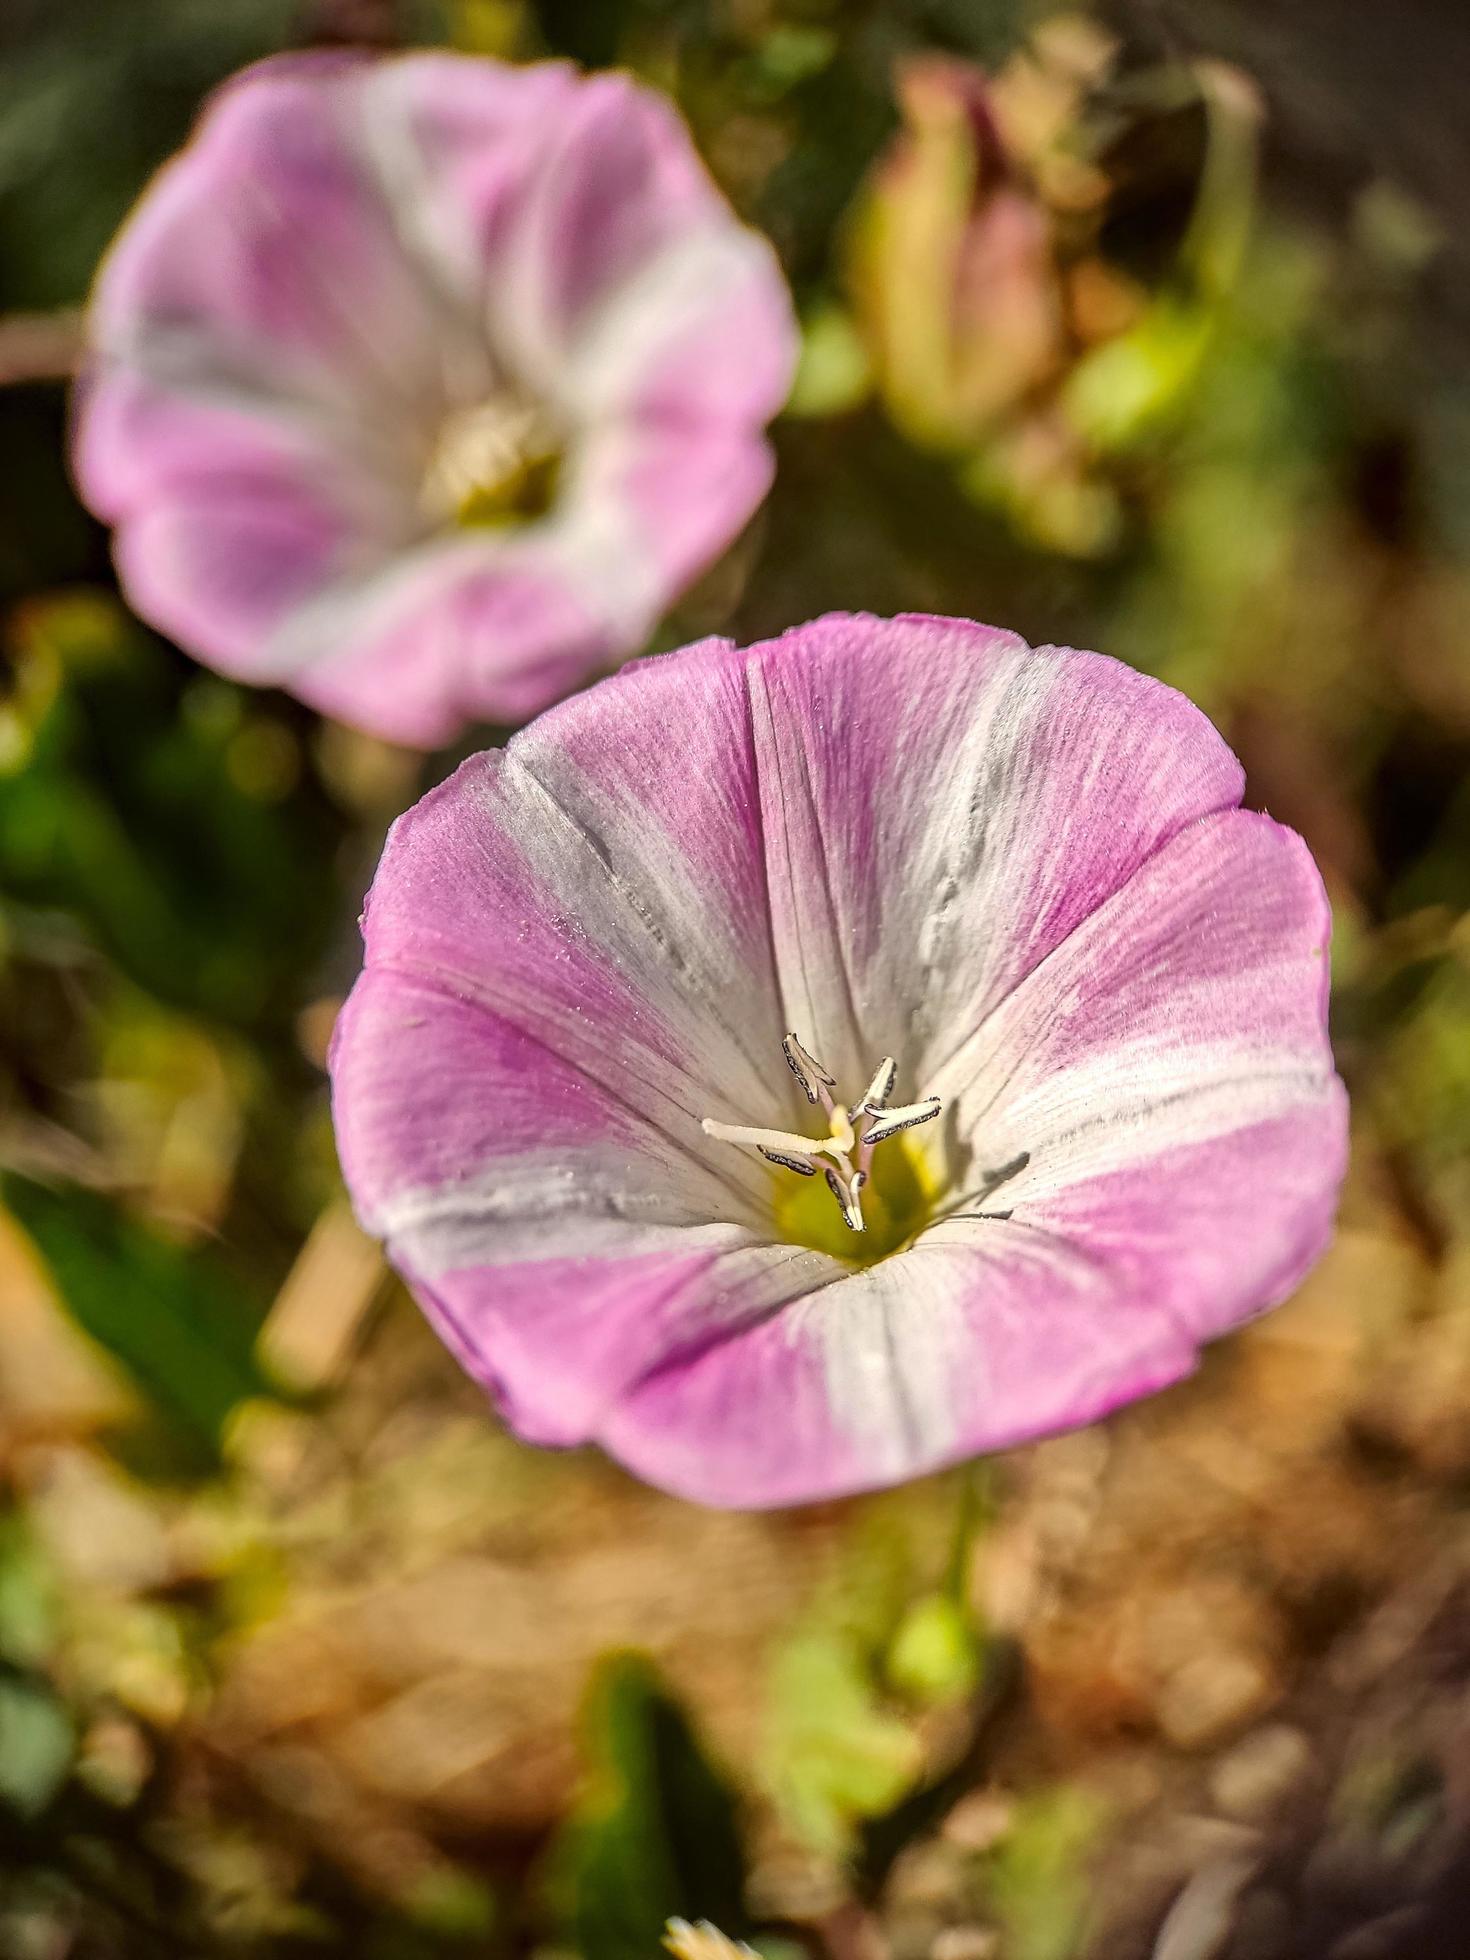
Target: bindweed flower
[422,386]
[801,1067]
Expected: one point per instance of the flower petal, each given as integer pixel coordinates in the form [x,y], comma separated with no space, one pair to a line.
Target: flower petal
[651,506]
[461,630]
[560,1342]
[927,1358]
[457,1116]
[227,573]
[629,285]
[270,252]
[942,805]
[1168,1075]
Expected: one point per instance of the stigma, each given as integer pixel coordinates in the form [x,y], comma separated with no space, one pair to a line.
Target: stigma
[844,1156]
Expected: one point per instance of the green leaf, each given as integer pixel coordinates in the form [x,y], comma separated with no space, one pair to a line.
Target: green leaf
[834,1754]
[834,375]
[35,1745]
[655,1836]
[27,1598]
[171,1315]
[1037,1884]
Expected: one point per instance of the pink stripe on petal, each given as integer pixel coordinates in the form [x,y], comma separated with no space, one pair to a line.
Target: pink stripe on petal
[1214,1232]
[621,184]
[454,141]
[500,889]
[222,572]
[552,1390]
[559,1342]
[683,493]
[1191,1002]
[724,354]
[637,811]
[266,250]
[138,441]
[434,1088]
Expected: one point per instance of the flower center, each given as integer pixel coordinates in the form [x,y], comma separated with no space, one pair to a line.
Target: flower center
[886,1200]
[496,463]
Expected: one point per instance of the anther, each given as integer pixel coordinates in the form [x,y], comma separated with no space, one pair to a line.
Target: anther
[881,1086]
[847,1199]
[904,1118]
[806,1068]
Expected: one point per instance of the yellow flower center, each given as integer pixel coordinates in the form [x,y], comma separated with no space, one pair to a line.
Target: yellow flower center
[836,1193]
[899,1199]
[495,464]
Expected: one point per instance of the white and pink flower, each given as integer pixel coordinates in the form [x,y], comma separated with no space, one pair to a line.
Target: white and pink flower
[800,1067]
[422,386]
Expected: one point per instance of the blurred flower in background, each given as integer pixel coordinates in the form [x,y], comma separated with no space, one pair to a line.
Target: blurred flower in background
[1002,327]
[1068,1002]
[421,387]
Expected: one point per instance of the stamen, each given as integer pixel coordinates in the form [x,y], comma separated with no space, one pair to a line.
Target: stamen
[785,1140]
[881,1086]
[806,1069]
[852,1132]
[847,1199]
[905,1118]
[494,463]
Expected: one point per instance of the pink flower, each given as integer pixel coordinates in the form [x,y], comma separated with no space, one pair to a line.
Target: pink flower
[422,386]
[801,1067]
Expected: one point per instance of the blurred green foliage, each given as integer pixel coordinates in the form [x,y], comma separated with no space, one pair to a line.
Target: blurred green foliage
[175,821]
[1037,1878]
[94,94]
[35,1744]
[656,1834]
[177,1321]
[836,1754]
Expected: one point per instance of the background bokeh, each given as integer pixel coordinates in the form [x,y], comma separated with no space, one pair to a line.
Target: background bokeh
[299,1653]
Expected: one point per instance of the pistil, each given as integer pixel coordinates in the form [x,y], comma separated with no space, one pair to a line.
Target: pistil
[845,1154]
